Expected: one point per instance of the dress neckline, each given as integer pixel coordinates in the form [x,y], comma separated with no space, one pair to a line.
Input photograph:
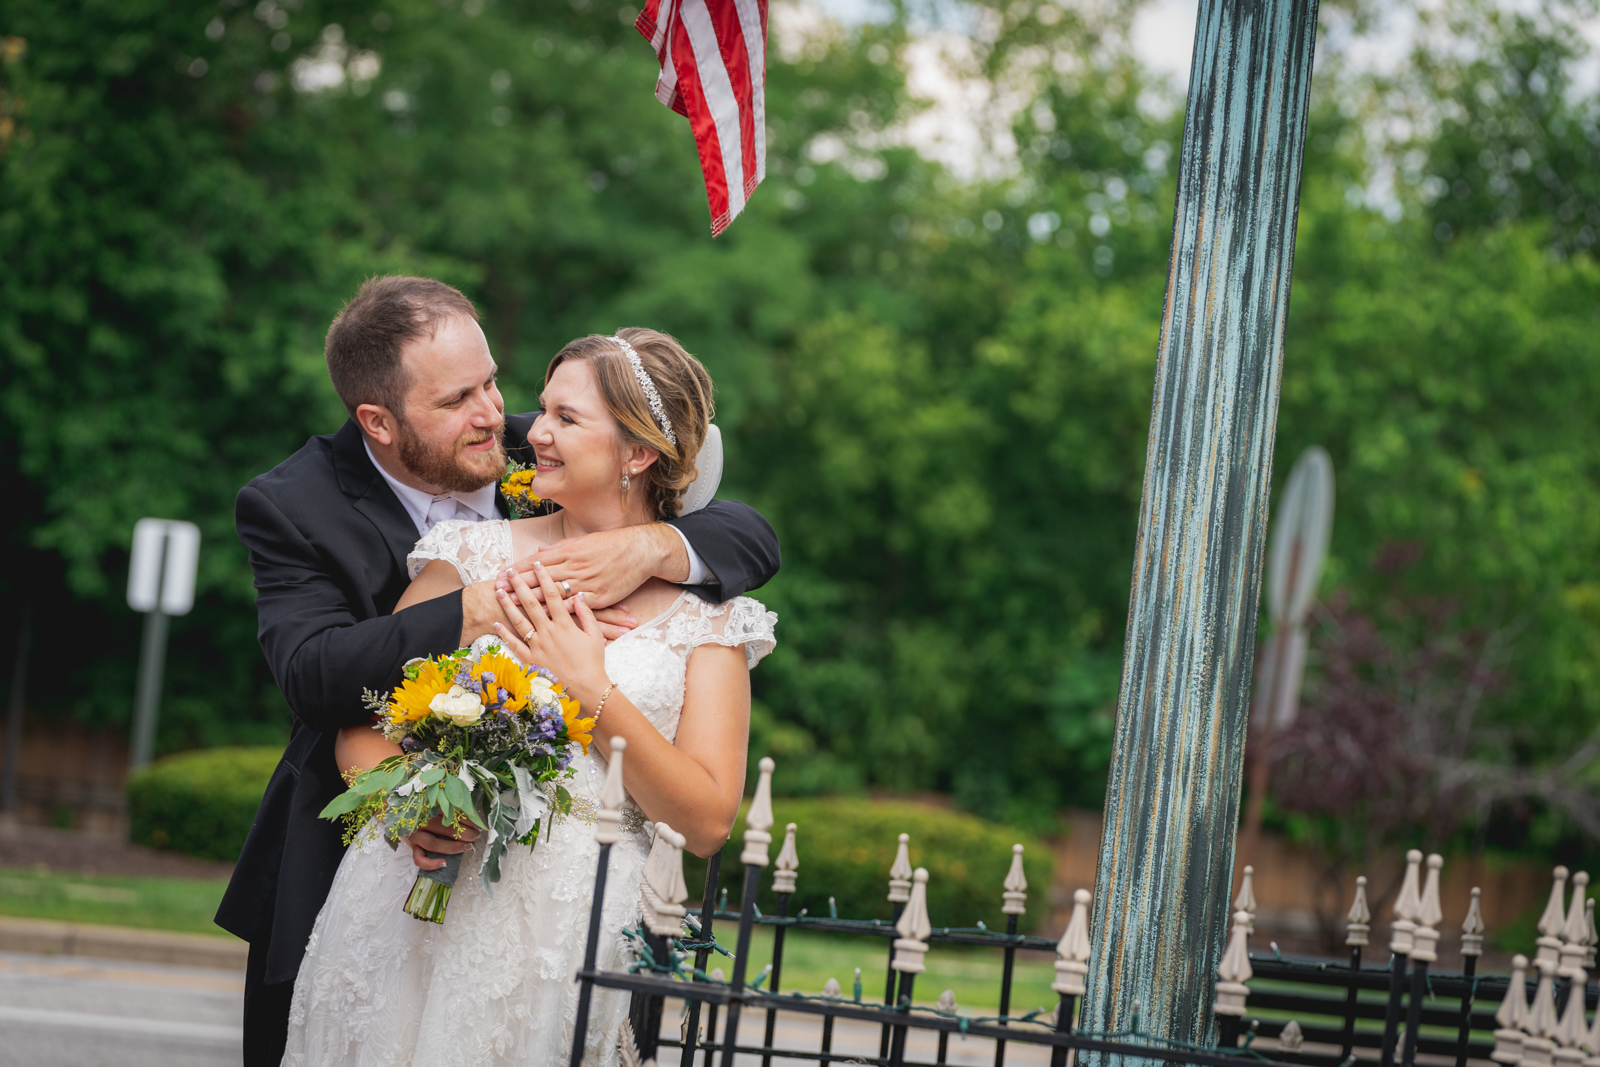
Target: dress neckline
[643,626]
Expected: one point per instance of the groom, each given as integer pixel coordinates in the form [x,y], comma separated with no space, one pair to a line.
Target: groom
[328,531]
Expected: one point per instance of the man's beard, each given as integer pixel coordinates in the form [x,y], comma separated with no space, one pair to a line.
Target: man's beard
[447,467]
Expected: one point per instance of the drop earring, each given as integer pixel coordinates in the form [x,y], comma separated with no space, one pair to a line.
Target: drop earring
[625,481]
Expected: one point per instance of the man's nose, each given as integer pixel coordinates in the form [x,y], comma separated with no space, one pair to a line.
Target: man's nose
[486,413]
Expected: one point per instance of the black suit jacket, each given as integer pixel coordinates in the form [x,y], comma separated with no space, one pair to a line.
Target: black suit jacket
[328,541]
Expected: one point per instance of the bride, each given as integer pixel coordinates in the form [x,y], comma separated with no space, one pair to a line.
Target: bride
[623,421]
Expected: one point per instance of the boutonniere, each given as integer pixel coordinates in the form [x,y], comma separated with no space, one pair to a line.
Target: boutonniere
[517,488]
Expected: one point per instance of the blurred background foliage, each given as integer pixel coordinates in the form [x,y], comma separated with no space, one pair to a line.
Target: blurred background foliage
[936,386]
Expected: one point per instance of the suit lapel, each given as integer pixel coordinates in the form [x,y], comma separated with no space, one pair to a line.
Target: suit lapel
[370,495]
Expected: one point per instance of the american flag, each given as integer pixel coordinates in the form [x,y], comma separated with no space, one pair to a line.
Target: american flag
[713,56]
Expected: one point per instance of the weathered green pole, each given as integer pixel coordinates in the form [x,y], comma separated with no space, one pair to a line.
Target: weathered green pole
[1166,859]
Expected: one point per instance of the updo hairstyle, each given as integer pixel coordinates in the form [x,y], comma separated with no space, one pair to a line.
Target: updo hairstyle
[685,390]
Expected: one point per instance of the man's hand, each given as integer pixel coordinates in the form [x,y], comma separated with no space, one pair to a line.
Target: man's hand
[612,563]
[437,837]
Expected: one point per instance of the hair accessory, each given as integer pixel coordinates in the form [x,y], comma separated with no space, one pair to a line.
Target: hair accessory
[649,387]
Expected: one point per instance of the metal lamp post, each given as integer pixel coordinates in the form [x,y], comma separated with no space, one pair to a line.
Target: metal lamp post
[161,573]
[1177,757]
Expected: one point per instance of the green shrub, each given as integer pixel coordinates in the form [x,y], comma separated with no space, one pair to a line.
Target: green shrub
[847,844]
[201,802]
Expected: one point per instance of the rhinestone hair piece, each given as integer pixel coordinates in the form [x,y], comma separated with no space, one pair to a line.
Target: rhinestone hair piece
[649,387]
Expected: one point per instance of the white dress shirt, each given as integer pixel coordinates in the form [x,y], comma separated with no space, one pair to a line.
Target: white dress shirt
[426,509]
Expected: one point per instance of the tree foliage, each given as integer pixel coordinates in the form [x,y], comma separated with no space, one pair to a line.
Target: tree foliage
[937,388]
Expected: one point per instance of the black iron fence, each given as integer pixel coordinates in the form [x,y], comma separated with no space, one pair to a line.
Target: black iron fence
[1317,1013]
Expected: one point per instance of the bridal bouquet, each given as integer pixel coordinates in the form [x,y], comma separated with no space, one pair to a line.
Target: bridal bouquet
[483,739]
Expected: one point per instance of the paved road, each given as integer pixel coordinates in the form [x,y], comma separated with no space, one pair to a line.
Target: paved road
[69,1012]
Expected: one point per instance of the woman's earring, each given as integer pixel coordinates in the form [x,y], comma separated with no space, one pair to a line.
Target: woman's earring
[625,481]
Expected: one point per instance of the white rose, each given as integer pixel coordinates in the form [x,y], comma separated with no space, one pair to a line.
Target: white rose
[460,706]
[541,692]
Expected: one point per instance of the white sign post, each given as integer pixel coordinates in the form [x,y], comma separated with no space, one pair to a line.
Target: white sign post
[1300,531]
[161,577]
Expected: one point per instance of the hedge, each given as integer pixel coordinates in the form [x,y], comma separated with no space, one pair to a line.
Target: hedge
[847,844]
[201,803]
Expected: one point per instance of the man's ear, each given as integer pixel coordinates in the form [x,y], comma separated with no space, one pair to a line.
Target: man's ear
[378,423]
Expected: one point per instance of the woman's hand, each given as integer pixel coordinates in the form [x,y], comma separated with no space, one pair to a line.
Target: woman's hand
[562,636]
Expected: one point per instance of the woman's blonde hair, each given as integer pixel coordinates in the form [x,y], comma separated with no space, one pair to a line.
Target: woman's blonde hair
[685,391]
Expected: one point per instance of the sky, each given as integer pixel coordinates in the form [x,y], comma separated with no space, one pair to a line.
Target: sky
[1162,37]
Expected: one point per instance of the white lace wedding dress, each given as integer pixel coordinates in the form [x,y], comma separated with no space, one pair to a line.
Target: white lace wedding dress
[493,985]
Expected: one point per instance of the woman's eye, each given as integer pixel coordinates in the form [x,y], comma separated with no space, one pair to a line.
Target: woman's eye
[567,420]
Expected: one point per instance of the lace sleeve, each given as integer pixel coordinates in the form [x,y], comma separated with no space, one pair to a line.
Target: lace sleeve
[741,621]
[477,550]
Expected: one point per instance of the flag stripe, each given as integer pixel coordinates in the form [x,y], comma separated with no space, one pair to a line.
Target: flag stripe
[717,93]
[727,25]
[753,23]
[713,71]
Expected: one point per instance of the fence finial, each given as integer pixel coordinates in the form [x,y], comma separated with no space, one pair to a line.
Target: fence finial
[1575,931]
[608,820]
[1015,897]
[758,820]
[900,872]
[1542,1021]
[663,888]
[1246,900]
[1425,938]
[1513,1014]
[1572,1032]
[1472,927]
[1234,971]
[1406,906]
[1591,939]
[1291,1038]
[1358,921]
[788,862]
[911,946]
[1072,952]
[1553,920]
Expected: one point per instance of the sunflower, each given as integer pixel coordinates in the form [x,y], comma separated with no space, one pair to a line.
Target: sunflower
[410,701]
[579,730]
[508,675]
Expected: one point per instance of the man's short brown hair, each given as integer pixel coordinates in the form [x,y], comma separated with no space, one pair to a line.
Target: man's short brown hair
[368,335]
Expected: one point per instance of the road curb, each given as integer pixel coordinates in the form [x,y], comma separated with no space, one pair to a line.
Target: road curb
[46,937]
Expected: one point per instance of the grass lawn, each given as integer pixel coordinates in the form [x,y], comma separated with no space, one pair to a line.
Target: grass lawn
[809,959]
[971,972]
[184,904]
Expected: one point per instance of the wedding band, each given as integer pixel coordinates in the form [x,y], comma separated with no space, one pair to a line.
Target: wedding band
[566,589]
